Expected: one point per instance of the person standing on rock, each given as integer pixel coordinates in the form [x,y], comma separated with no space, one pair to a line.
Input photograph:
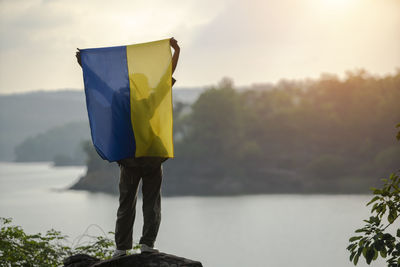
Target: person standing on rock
[132,170]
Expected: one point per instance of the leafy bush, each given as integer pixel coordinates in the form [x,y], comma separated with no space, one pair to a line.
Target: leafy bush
[20,249]
[375,239]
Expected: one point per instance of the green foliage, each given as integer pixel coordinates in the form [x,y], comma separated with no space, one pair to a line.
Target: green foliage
[374,240]
[20,249]
[296,136]
[327,129]
[101,248]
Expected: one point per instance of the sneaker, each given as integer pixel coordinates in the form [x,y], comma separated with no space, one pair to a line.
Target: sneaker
[119,253]
[146,248]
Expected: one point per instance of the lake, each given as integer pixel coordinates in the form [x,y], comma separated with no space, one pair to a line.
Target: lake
[260,230]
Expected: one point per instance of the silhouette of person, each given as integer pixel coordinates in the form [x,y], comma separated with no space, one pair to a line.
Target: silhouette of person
[147,169]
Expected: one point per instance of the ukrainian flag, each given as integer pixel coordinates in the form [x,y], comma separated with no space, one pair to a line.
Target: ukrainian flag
[129,99]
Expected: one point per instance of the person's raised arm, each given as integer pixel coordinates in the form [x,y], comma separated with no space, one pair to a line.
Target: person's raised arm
[175,57]
[157,98]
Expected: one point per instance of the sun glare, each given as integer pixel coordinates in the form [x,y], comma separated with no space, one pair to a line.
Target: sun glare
[337,4]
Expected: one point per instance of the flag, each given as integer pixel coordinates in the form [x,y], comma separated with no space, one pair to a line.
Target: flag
[129,99]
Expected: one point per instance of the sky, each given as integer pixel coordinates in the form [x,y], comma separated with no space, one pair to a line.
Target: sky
[250,41]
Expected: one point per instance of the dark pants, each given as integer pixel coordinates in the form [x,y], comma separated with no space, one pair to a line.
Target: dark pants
[132,171]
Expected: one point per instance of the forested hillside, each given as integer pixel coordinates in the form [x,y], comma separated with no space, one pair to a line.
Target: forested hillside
[327,135]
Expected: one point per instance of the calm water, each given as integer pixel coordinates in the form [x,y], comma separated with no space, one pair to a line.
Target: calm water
[265,230]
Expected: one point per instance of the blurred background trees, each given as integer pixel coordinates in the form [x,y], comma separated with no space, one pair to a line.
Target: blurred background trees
[327,135]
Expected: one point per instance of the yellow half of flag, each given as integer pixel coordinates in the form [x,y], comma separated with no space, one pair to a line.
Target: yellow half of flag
[150,70]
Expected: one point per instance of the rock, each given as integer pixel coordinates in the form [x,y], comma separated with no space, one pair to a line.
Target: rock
[80,260]
[135,260]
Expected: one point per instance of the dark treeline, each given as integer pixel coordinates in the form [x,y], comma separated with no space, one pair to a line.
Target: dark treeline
[322,136]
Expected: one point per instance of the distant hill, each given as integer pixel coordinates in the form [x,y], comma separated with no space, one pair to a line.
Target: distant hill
[24,115]
[29,114]
[62,144]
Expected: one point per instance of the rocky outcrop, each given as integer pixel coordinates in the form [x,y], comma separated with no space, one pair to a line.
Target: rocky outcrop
[102,180]
[80,260]
[135,260]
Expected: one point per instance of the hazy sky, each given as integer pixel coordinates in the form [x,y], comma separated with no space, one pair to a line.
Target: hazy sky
[249,41]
